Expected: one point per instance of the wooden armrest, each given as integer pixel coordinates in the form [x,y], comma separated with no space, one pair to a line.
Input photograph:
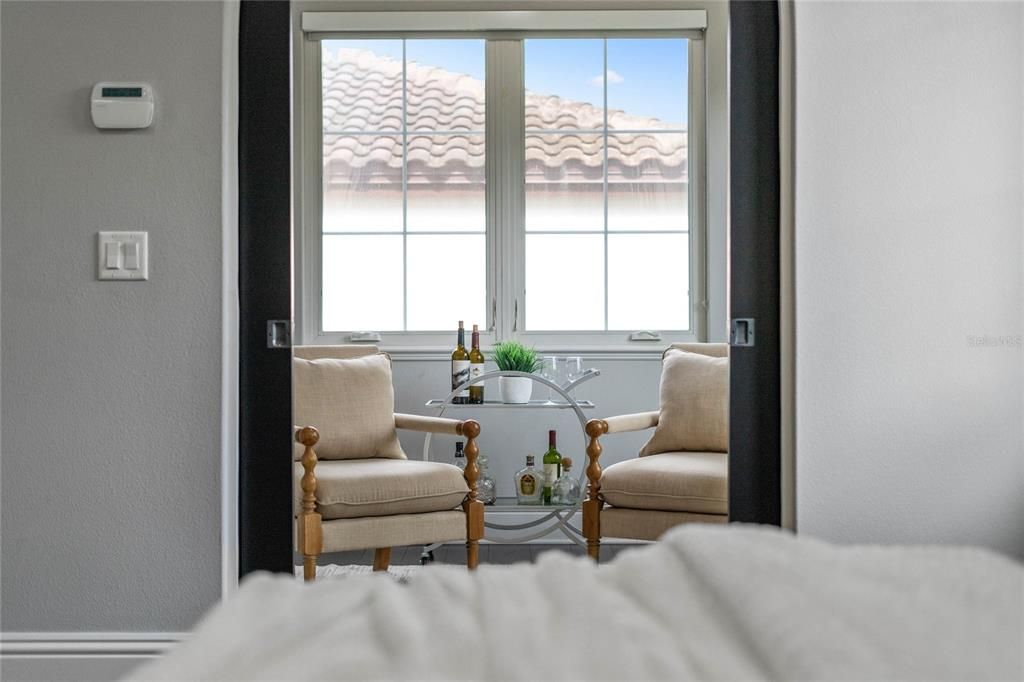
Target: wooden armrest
[597,428]
[415,422]
[631,422]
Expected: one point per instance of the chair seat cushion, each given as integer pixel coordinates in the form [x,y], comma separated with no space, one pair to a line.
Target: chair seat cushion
[355,488]
[696,482]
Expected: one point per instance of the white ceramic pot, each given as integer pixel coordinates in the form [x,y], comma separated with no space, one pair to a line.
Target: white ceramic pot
[515,390]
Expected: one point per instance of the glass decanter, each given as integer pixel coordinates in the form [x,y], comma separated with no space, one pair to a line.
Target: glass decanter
[566,490]
[486,489]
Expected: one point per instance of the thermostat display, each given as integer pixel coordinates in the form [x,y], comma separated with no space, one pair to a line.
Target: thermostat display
[122,92]
[122,105]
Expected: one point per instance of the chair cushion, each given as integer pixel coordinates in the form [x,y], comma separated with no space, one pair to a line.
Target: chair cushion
[696,482]
[351,403]
[348,489]
[694,404]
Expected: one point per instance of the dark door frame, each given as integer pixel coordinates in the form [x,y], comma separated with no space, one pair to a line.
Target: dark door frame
[755,445]
[264,286]
[265,274]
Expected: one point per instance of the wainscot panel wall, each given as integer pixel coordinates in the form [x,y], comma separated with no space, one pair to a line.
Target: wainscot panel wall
[111,411]
[910,298]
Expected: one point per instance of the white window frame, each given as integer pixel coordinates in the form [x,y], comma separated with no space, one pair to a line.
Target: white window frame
[505,283]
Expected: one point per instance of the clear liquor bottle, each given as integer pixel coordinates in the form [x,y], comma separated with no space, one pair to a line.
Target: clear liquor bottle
[529,483]
[486,488]
[460,455]
[566,490]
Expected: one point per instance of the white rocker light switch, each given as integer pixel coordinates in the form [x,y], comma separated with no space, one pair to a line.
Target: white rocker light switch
[112,250]
[123,256]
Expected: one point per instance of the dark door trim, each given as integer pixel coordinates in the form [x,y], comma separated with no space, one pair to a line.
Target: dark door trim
[755,484]
[264,285]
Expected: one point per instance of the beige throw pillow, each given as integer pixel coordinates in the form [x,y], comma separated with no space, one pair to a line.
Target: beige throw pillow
[694,405]
[351,402]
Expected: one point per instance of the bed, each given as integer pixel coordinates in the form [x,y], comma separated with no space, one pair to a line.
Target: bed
[736,602]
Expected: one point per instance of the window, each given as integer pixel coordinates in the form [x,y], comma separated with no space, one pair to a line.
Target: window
[536,184]
[403,210]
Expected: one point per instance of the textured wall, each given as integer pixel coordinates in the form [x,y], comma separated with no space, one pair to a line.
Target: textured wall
[111,406]
[909,230]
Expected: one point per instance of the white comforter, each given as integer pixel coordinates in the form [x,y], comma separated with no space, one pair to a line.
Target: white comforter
[706,603]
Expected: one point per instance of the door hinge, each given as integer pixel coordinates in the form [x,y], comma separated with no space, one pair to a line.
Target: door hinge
[279,333]
[741,331]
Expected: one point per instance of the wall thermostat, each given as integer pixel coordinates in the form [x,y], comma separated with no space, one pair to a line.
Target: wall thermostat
[122,105]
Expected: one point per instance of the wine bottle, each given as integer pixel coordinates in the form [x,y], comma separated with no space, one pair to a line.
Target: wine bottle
[476,368]
[552,466]
[460,455]
[460,368]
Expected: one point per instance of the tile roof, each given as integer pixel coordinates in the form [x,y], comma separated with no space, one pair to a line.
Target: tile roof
[362,92]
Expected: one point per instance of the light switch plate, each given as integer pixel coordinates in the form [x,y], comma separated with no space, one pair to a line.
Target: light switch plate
[132,263]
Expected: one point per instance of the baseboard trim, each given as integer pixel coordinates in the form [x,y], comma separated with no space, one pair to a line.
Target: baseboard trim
[79,644]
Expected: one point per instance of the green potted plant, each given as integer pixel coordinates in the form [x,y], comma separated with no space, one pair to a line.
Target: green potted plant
[512,356]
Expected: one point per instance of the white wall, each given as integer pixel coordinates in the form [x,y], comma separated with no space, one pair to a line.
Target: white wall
[909,243]
[110,509]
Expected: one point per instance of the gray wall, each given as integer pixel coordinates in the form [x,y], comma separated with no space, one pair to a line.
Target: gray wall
[909,228]
[111,408]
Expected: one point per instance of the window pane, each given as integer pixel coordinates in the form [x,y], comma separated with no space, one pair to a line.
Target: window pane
[564,84]
[564,282]
[447,281]
[362,183]
[362,282]
[647,182]
[564,182]
[648,83]
[648,281]
[446,183]
[362,85]
[445,84]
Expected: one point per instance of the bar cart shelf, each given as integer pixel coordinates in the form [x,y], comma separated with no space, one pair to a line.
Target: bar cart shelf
[550,517]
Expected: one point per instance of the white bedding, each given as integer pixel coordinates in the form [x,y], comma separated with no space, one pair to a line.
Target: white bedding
[706,603]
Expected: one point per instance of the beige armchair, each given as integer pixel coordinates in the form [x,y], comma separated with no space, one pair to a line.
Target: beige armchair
[354,486]
[681,475]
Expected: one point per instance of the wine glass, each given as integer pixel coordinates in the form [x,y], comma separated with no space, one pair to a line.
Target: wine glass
[552,371]
[573,370]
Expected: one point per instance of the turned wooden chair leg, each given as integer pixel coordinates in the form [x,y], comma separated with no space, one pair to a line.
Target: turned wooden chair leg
[381,558]
[591,529]
[473,508]
[310,525]
[593,504]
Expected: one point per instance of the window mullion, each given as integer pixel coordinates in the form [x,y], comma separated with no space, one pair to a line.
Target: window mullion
[504,150]
[604,105]
[405,195]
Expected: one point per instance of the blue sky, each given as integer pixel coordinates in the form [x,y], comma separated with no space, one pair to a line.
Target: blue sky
[647,76]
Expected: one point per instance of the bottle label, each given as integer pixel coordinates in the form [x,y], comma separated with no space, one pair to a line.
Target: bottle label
[460,375]
[476,369]
[550,474]
[528,485]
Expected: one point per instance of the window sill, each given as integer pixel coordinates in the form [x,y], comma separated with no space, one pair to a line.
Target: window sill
[647,351]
